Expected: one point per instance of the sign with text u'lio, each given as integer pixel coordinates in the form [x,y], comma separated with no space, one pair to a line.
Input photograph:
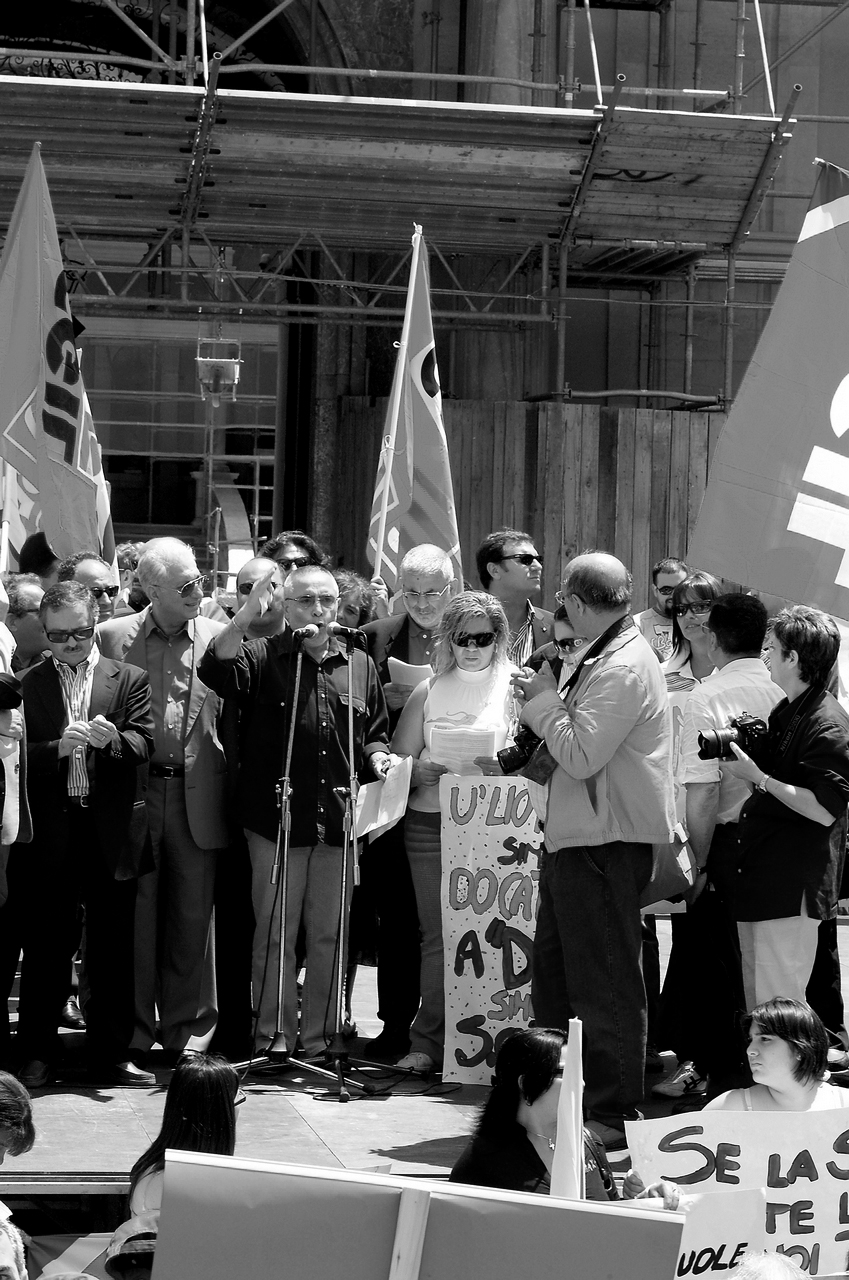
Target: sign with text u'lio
[490,854]
[800,1158]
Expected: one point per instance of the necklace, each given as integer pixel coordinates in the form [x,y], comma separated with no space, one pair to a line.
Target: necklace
[544,1137]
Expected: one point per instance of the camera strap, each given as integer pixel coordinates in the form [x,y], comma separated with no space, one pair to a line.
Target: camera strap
[787,736]
[596,649]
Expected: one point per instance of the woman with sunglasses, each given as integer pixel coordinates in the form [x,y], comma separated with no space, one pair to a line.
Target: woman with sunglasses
[200,1115]
[470,691]
[687,666]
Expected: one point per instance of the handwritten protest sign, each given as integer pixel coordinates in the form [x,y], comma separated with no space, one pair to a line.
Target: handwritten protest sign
[719,1229]
[490,852]
[800,1158]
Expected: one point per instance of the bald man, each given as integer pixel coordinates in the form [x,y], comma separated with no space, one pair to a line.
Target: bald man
[607,775]
[272,620]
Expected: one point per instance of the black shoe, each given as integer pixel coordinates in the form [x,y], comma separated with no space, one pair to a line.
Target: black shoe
[386,1047]
[72,1015]
[128,1075]
[35,1074]
[654,1063]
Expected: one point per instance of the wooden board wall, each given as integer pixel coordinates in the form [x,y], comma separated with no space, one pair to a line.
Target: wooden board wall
[577,476]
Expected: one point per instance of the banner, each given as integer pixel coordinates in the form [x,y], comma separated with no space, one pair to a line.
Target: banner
[47,435]
[490,854]
[413,497]
[801,1159]
[775,515]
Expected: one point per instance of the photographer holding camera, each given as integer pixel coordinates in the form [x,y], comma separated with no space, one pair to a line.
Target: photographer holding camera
[792,827]
[735,630]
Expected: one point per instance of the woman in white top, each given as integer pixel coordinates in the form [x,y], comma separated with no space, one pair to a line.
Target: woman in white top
[200,1115]
[788,1058]
[465,711]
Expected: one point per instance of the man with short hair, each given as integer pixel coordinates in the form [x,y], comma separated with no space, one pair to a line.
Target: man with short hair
[709,953]
[793,826]
[655,623]
[426,578]
[186,802]
[89,732]
[259,676]
[608,799]
[25,596]
[95,573]
[510,568]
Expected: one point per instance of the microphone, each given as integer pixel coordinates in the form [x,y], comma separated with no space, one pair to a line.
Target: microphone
[309,632]
[344,633]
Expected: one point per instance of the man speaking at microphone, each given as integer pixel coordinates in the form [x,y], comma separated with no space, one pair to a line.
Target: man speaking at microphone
[260,675]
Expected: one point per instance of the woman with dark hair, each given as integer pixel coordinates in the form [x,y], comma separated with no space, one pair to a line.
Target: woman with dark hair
[17,1131]
[200,1115]
[513,1145]
[470,693]
[294,549]
[788,1059]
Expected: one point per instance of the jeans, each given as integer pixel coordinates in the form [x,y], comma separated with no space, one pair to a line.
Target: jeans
[587,966]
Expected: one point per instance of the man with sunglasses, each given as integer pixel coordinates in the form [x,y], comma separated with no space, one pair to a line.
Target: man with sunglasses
[89,732]
[259,676]
[270,572]
[655,623]
[510,568]
[186,802]
[96,574]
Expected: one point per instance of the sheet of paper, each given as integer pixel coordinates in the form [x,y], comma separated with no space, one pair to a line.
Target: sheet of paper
[458,748]
[381,804]
[407,674]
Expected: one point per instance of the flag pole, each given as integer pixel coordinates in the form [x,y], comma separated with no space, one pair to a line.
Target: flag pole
[8,480]
[388,449]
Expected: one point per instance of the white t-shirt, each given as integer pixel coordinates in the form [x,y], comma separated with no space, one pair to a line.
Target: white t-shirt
[657,629]
[741,685]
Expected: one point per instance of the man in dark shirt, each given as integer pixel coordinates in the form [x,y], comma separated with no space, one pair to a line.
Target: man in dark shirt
[260,675]
[792,829]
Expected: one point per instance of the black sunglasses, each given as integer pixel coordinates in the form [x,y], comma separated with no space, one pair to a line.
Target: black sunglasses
[570,644]
[61,637]
[293,562]
[111,592]
[525,557]
[698,607]
[481,640]
[245,588]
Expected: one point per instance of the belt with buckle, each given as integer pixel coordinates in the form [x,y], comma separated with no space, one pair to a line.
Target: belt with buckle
[82,802]
[167,770]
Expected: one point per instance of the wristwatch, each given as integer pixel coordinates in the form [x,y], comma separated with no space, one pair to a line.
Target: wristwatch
[761,786]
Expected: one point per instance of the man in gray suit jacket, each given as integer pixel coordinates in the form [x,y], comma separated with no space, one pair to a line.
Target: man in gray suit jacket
[175,948]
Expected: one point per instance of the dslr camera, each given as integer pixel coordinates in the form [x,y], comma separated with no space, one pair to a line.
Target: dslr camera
[514,758]
[747,731]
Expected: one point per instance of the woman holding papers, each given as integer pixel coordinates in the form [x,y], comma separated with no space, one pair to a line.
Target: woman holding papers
[465,711]
[788,1058]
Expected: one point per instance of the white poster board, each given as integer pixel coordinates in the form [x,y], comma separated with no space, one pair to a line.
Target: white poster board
[800,1158]
[490,854]
[224,1218]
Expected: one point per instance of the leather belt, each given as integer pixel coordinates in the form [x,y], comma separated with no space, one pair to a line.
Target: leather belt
[167,770]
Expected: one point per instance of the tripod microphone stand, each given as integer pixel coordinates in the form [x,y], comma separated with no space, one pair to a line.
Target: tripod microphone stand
[279,1053]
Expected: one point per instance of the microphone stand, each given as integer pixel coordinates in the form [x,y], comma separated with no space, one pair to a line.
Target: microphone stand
[278,1053]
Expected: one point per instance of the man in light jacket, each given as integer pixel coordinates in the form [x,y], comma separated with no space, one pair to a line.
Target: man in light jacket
[609,798]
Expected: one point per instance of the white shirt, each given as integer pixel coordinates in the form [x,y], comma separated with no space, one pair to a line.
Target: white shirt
[657,629]
[743,684]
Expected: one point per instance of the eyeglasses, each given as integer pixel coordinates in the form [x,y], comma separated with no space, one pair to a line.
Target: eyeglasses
[570,644]
[664,591]
[293,562]
[62,637]
[481,640]
[202,582]
[111,592]
[426,597]
[526,558]
[245,588]
[697,607]
[326,601]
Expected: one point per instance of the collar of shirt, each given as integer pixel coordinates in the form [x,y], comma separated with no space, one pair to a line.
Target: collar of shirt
[284,643]
[150,624]
[417,632]
[65,669]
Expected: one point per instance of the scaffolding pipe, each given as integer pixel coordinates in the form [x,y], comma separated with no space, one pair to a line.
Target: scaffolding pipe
[537,38]
[191,37]
[563,267]
[698,45]
[172,42]
[762,39]
[571,15]
[313,41]
[204,53]
[689,329]
[739,56]
[545,282]
[729,328]
[594,53]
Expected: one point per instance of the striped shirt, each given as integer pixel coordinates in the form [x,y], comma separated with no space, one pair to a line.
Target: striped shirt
[75,683]
[522,643]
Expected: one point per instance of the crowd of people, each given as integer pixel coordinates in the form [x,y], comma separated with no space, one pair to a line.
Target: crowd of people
[147,723]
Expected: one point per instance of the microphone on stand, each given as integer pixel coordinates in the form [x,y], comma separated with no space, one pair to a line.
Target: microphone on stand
[351,635]
[309,632]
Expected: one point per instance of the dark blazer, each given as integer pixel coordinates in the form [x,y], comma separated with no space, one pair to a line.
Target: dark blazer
[205,781]
[117,775]
[388,636]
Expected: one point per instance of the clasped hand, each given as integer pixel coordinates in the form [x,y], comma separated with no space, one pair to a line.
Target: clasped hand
[528,684]
[97,733]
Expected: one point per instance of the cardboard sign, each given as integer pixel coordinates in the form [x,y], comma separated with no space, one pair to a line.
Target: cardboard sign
[490,855]
[223,1217]
[801,1159]
[719,1230]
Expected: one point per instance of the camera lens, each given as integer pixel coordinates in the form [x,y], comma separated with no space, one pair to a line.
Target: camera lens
[714,745]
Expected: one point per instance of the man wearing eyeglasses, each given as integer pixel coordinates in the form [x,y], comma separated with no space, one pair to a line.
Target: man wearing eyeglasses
[426,580]
[655,623]
[25,596]
[89,731]
[186,801]
[96,574]
[259,676]
[510,568]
